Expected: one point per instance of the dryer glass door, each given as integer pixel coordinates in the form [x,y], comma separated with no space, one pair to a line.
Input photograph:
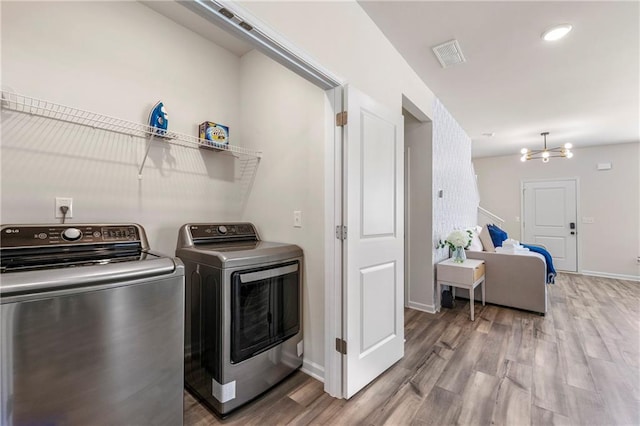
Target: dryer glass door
[265,308]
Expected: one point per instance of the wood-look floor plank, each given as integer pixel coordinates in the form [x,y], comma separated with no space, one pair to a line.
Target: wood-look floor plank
[494,350]
[587,408]
[578,365]
[430,371]
[280,412]
[593,344]
[489,313]
[521,341]
[454,378]
[307,393]
[574,367]
[452,336]
[414,350]
[615,391]
[542,417]
[400,408]
[544,328]
[483,325]
[441,407]
[513,404]
[504,316]
[604,325]
[548,382]
[371,397]
[561,317]
[318,411]
[478,399]
[520,375]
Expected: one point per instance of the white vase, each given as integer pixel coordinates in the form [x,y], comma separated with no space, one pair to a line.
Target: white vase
[459,256]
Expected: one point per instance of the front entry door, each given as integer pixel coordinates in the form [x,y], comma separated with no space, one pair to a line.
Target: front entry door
[550,219]
[373,285]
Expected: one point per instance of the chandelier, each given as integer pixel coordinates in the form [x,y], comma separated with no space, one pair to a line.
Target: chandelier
[546,153]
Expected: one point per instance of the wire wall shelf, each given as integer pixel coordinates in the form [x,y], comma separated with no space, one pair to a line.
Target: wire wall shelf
[28,105]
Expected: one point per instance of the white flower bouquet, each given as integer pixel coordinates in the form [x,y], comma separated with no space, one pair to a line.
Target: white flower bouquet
[456,239]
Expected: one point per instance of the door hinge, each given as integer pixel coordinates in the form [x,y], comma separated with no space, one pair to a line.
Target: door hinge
[341,346]
[341,119]
[341,232]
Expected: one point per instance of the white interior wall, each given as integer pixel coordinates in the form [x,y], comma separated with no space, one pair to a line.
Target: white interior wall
[609,245]
[118,59]
[418,215]
[283,114]
[344,40]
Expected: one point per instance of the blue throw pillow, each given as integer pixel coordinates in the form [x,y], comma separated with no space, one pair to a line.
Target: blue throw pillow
[497,235]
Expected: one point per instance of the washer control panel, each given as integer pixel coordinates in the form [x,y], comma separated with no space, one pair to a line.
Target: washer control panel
[40,235]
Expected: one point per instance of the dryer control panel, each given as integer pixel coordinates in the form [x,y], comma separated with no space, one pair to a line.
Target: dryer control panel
[222,231]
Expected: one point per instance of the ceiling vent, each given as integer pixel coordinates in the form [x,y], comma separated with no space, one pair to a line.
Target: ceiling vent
[449,53]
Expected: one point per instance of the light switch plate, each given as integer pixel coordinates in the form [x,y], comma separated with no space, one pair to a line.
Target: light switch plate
[297,219]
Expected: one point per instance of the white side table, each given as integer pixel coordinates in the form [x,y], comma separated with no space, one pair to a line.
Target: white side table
[467,275]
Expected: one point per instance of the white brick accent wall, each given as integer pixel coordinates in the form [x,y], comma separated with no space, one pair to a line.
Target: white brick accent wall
[453,174]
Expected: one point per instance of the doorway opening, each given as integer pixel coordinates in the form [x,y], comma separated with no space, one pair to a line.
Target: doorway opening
[418,172]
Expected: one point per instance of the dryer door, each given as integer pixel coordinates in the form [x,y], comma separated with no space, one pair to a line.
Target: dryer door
[265,308]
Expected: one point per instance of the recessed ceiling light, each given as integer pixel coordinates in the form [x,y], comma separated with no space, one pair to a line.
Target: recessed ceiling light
[556,32]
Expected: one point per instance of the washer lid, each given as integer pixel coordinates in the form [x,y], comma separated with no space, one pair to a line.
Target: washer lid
[80,278]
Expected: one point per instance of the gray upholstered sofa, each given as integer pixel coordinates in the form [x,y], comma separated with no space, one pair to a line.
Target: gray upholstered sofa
[513,280]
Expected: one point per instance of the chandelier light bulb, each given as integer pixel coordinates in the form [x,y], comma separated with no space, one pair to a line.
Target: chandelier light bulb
[569,154]
[524,151]
[545,155]
[568,145]
[523,158]
[545,159]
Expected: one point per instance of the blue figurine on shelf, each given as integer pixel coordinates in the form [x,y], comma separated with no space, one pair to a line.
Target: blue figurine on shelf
[158,119]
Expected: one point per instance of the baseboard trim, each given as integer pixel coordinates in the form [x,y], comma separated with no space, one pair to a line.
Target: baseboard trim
[609,275]
[312,369]
[422,307]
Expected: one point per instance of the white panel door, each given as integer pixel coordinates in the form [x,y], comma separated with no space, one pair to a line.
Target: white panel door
[550,213]
[373,297]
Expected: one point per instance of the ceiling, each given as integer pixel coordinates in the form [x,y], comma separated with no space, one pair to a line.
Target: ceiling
[583,89]
[188,19]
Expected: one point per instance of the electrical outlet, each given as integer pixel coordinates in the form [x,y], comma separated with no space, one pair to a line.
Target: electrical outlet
[64,201]
[297,219]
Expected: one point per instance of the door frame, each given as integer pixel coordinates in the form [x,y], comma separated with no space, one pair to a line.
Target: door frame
[578,215]
[333,271]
